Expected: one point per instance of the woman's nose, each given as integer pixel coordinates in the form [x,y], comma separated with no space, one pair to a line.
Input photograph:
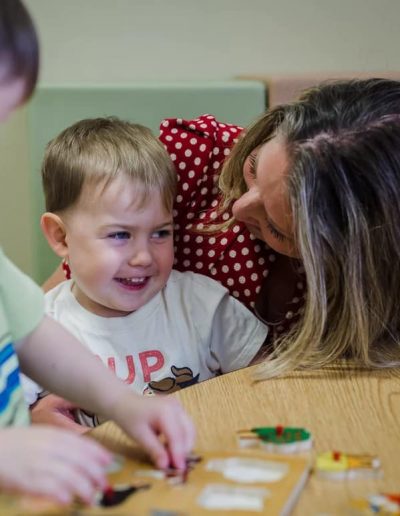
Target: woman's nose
[245,206]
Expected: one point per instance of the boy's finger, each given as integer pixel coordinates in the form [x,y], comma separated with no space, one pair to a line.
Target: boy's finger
[157,451]
[174,434]
[189,431]
[66,422]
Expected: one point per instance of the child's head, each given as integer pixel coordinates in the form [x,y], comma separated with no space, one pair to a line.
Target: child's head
[109,187]
[99,150]
[19,56]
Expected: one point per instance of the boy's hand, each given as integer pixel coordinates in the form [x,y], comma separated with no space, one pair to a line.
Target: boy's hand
[74,372]
[51,462]
[147,418]
[150,416]
[53,410]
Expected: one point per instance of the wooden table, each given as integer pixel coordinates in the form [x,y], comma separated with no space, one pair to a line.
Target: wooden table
[345,409]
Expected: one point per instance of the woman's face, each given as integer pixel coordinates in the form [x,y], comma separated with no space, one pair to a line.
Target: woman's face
[265,208]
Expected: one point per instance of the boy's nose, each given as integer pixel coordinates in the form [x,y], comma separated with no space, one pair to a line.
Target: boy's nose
[142,258]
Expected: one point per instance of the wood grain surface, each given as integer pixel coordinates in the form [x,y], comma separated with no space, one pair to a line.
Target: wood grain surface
[344,408]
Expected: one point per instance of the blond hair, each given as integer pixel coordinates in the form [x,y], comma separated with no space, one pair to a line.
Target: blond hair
[96,151]
[343,144]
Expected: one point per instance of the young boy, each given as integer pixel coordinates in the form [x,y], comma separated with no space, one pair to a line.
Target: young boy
[109,187]
[44,460]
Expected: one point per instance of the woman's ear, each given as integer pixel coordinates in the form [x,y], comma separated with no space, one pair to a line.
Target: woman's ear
[54,230]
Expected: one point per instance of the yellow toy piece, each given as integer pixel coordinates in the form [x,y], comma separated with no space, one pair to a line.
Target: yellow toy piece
[336,465]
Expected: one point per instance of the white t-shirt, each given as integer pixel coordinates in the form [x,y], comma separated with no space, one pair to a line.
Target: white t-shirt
[191,331]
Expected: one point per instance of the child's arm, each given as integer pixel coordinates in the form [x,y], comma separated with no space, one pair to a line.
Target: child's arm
[54,358]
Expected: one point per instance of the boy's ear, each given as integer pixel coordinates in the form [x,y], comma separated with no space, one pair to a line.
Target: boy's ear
[54,230]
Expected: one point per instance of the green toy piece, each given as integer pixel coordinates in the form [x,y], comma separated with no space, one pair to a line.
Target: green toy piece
[276,439]
[281,435]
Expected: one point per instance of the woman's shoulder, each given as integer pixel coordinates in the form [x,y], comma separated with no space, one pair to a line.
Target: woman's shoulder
[203,129]
[198,149]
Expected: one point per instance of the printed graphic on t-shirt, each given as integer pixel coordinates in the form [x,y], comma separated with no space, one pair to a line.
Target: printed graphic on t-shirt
[145,365]
[181,377]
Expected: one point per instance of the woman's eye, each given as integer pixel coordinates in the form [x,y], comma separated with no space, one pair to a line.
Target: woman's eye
[119,235]
[275,233]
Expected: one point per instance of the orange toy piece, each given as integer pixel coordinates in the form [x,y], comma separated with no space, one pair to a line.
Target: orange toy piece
[385,504]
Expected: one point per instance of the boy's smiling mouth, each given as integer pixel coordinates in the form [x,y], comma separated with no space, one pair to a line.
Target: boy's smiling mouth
[133,282]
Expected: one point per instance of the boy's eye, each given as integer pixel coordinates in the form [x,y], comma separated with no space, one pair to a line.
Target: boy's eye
[162,233]
[120,235]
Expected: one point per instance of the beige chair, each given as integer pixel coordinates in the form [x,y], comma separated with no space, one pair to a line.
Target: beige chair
[284,88]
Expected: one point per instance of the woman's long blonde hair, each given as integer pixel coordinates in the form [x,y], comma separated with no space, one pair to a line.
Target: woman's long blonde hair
[343,143]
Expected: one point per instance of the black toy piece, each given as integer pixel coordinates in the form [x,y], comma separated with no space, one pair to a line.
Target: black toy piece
[117,494]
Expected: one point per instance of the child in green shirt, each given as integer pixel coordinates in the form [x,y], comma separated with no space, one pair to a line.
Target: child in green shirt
[47,460]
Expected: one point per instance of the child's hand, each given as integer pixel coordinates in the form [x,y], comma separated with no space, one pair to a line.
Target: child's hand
[51,462]
[146,418]
[53,410]
[73,372]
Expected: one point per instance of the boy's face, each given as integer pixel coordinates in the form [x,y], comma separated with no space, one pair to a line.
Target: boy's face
[120,253]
